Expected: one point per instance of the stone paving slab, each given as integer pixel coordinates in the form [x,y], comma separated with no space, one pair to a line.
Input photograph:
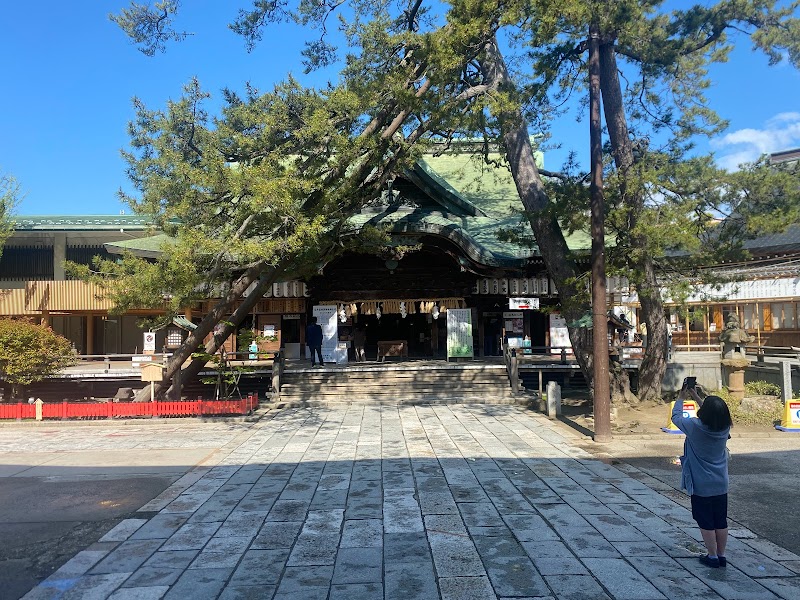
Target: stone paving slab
[453,502]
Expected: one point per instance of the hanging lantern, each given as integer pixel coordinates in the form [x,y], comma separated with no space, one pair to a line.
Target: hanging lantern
[342,314]
[403,310]
[378,312]
[435,311]
[348,310]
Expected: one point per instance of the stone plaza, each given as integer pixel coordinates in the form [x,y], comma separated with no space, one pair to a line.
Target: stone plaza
[363,502]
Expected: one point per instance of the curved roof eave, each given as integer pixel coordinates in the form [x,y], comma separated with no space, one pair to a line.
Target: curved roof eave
[453,232]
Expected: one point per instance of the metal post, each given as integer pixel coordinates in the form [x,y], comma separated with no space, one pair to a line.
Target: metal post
[514,372]
[602,391]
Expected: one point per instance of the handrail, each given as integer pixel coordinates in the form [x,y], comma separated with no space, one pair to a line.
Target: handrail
[112,357]
[547,352]
[696,347]
[115,356]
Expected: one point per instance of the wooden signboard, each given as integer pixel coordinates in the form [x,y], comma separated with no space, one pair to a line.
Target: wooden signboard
[152,372]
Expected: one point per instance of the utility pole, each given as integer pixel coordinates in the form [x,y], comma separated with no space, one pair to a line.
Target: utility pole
[602,392]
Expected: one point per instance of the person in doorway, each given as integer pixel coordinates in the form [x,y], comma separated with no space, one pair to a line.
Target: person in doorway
[359,341]
[314,341]
[704,468]
[643,333]
[622,332]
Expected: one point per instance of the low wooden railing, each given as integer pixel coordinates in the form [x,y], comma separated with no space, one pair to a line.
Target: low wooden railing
[696,348]
[513,357]
[107,359]
[778,351]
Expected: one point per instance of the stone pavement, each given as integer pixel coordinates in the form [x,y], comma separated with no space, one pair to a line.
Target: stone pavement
[456,502]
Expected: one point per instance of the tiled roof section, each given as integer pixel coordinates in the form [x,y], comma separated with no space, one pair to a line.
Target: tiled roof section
[146,247]
[785,156]
[80,222]
[771,243]
[492,190]
[477,236]
[438,188]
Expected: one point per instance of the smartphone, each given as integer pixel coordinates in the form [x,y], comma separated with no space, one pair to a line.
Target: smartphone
[689,382]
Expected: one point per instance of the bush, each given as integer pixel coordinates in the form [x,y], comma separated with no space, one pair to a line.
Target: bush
[761,388]
[30,352]
[747,417]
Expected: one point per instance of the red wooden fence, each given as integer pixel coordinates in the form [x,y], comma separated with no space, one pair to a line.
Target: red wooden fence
[109,410]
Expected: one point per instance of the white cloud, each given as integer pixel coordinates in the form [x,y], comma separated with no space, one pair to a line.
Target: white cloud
[781,132]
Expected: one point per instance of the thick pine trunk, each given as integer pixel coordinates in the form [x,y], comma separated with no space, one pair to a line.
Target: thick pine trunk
[549,237]
[654,363]
[223,308]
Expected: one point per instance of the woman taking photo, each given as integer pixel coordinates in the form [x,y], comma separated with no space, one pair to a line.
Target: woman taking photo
[704,468]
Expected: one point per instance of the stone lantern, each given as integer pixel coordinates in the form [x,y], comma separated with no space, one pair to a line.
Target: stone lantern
[733,340]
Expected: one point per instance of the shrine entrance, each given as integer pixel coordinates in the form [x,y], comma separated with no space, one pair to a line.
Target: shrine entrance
[419,332]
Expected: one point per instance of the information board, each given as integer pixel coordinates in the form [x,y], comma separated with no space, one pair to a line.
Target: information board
[327,319]
[459,333]
[559,334]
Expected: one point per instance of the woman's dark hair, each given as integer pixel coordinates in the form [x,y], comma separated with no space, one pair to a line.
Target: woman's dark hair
[715,414]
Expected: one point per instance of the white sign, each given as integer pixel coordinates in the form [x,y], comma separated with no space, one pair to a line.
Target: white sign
[459,332]
[523,303]
[512,315]
[794,414]
[326,317]
[149,342]
[559,334]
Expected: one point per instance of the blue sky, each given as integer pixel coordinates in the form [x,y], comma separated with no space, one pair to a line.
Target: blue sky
[69,76]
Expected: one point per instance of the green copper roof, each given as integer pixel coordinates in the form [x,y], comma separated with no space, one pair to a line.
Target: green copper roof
[464,200]
[80,222]
[146,247]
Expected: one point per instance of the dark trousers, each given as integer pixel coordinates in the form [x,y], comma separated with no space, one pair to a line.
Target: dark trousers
[318,350]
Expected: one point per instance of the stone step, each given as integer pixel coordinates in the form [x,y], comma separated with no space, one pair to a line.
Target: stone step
[402,383]
[395,384]
[307,401]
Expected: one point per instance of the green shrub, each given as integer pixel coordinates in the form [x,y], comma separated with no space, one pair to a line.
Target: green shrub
[742,417]
[31,352]
[761,388]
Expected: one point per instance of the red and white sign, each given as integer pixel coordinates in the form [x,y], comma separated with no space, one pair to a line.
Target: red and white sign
[523,303]
[689,409]
[149,342]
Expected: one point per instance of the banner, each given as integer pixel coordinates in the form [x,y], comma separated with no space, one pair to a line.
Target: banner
[327,319]
[459,333]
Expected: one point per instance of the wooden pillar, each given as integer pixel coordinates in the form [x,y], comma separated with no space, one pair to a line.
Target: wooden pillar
[481,337]
[708,325]
[89,346]
[688,337]
[601,384]
[758,324]
[59,255]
